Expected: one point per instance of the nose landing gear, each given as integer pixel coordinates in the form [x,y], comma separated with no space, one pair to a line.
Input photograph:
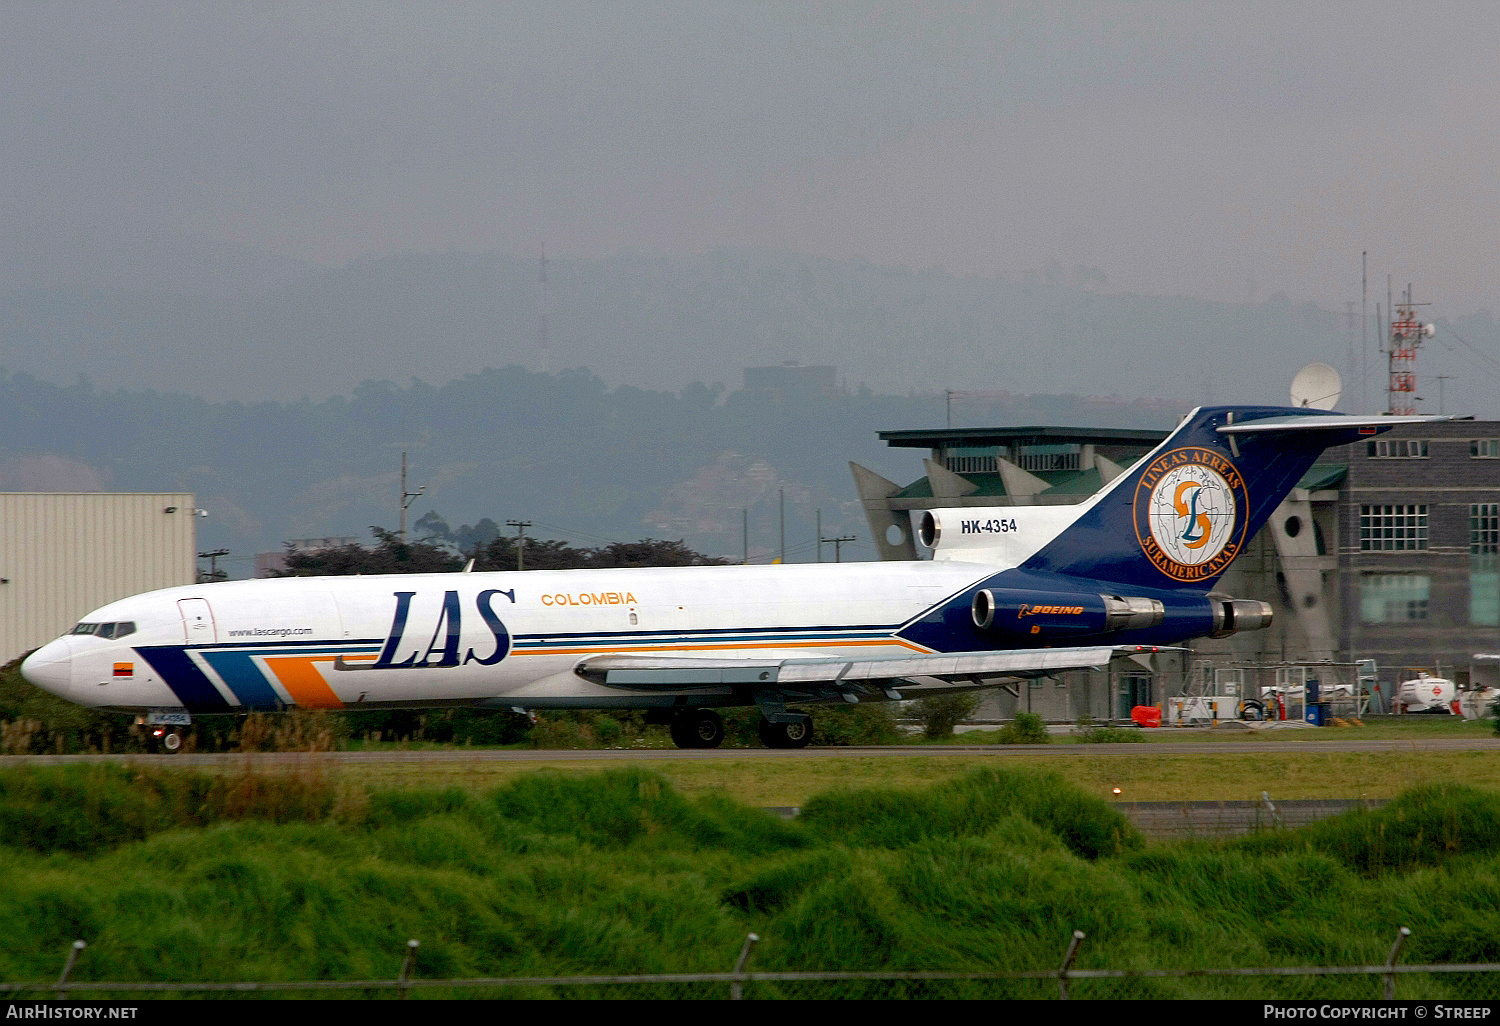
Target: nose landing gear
[169,740]
[164,728]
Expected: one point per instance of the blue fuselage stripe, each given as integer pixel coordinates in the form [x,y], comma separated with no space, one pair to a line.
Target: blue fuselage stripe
[238,670]
[182,675]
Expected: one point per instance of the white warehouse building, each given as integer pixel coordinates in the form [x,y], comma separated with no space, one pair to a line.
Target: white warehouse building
[65,553]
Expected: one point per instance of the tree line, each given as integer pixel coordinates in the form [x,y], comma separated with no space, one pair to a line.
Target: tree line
[445,550]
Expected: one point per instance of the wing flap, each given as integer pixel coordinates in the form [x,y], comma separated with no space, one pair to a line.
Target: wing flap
[692,671]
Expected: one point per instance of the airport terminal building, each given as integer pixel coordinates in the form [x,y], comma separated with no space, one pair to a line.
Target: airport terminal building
[1384,561]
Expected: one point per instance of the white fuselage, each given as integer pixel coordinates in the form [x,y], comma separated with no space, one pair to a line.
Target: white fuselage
[510,639]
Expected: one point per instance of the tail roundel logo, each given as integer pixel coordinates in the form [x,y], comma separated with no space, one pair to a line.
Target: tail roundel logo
[1190,509]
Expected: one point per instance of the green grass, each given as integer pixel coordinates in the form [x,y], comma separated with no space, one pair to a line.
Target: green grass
[173,875]
[1372,728]
[1383,728]
[1144,774]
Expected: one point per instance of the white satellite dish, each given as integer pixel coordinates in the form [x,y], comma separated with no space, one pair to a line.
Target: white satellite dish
[1316,386]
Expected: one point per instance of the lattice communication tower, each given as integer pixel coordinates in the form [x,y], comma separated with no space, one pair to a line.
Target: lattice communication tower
[1407,334]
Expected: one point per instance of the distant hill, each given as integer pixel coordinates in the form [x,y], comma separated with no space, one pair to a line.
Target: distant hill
[661,322]
[237,377]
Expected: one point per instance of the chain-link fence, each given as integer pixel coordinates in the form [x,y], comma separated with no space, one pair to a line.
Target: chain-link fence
[1389,981]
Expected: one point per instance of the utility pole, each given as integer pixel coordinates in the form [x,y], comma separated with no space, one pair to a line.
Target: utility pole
[745,532]
[542,306]
[1364,322]
[781,498]
[820,536]
[1351,368]
[406,497]
[213,566]
[837,544]
[520,526]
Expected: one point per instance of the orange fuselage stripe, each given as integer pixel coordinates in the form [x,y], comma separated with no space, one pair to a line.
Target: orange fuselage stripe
[594,650]
[303,681]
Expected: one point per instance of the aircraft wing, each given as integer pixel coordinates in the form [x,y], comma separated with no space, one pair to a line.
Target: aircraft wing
[643,671]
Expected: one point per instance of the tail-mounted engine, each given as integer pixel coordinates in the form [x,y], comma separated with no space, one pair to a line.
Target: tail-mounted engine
[1234,615]
[1062,615]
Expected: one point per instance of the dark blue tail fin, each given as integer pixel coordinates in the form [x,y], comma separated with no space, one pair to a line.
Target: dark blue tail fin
[1179,517]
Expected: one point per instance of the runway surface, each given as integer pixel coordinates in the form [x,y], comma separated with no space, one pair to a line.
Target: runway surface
[1058,751]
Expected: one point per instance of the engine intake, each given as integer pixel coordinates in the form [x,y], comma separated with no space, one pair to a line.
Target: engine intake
[928,530]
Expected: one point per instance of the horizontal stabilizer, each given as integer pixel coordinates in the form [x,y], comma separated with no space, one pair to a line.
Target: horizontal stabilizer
[1332,422]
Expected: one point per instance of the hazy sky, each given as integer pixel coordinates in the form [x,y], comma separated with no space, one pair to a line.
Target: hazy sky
[1226,151]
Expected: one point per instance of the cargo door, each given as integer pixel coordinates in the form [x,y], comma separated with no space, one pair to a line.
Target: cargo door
[322,614]
[197,622]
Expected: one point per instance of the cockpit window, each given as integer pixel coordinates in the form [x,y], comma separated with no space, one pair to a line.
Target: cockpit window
[106,630]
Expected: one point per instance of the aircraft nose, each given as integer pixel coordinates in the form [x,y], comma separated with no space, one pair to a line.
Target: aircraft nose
[51,667]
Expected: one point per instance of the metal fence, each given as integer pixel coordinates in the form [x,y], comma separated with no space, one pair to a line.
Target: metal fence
[1388,981]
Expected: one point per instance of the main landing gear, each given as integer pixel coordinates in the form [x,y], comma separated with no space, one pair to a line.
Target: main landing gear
[697,728]
[797,734]
[703,728]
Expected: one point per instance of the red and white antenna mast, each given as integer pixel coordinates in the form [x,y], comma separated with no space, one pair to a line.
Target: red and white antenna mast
[541,334]
[1407,334]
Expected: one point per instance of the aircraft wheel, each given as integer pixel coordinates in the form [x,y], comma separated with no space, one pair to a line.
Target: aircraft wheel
[698,728]
[787,735]
[172,742]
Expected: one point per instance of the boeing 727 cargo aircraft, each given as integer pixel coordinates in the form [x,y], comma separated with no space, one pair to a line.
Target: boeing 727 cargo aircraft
[1011,592]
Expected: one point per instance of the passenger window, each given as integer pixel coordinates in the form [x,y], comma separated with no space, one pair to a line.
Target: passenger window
[124,627]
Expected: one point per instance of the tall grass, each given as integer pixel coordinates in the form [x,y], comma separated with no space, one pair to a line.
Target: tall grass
[973,805]
[87,808]
[180,875]
[1425,826]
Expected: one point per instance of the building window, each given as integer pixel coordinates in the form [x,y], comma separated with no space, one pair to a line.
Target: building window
[1484,448]
[1392,528]
[1397,448]
[1041,459]
[1484,590]
[1484,527]
[1484,565]
[1393,598]
[971,461]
